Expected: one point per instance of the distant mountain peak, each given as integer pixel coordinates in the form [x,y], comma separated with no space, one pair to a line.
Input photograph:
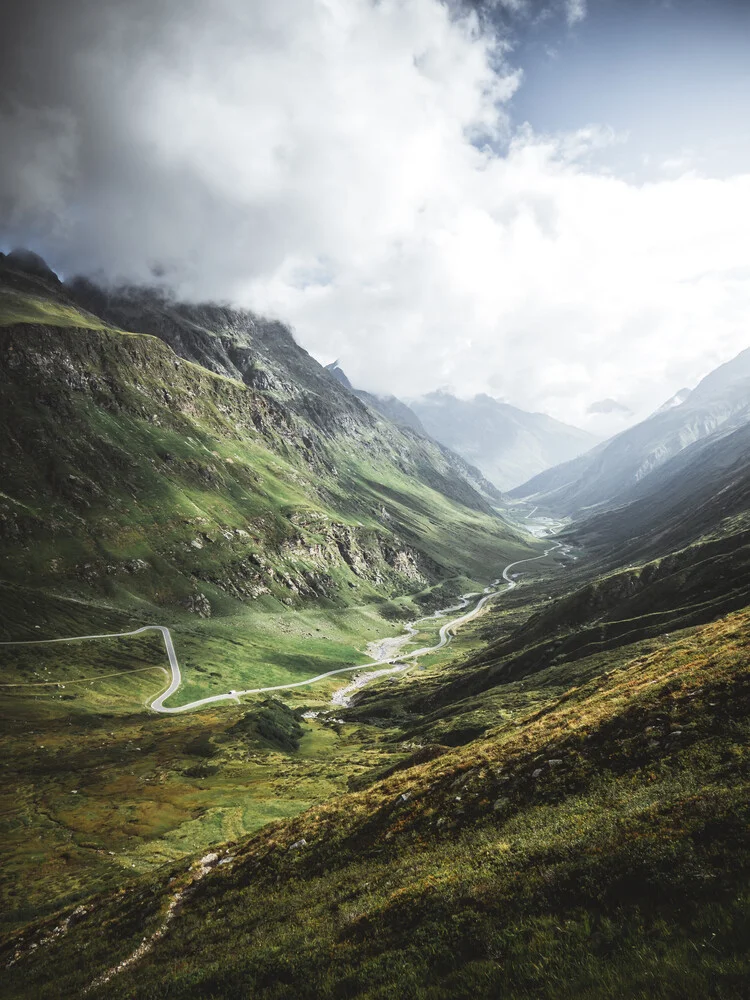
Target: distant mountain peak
[718,405]
[609,405]
[338,373]
[507,443]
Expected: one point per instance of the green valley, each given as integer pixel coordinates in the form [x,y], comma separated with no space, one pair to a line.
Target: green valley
[550,803]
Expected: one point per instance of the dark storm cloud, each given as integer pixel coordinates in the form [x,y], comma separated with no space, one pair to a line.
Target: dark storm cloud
[82,173]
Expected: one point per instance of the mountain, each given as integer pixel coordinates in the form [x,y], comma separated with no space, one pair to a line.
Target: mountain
[501,442]
[190,467]
[159,457]
[265,355]
[339,374]
[678,398]
[389,406]
[562,812]
[28,263]
[702,493]
[404,417]
[509,445]
[555,805]
[719,404]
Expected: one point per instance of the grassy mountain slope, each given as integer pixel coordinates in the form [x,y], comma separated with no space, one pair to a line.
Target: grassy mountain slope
[153,489]
[555,806]
[404,417]
[560,813]
[389,406]
[264,355]
[599,615]
[594,844]
[275,527]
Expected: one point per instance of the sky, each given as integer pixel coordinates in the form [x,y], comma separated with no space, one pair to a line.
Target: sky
[544,200]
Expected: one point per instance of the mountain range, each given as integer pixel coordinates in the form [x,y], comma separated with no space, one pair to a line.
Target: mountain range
[508,444]
[389,406]
[605,475]
[207,461]
[547,794]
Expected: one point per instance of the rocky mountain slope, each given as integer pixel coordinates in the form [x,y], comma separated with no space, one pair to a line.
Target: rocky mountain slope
[273,521]
[509,445]
[390,406]
[703,492]
[261,353]
[403,416]
[719,404]
[678,398]
[205,459]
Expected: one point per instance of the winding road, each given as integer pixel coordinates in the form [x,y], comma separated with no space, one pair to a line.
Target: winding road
[446,631]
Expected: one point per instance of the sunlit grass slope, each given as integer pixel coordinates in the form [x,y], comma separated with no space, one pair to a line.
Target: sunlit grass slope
[594,843]
[96,789]
[140,487]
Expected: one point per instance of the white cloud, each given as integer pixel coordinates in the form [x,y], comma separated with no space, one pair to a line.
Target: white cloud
[336,163]
[535,278]
[575,11]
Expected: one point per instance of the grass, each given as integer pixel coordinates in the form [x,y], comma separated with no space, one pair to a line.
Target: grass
[556,806]
[68,714]
[17,307]
[159,496]
[251,647]
[72,710]
[593,843]
[94,787]
[160,505]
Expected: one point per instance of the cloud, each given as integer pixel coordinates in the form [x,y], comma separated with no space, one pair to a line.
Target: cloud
[608,406]
[34,179]
[351,167]
[575,11]
[228,145]
[534,277]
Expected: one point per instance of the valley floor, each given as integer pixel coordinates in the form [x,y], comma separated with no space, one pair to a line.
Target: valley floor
[97,788]
[519,815]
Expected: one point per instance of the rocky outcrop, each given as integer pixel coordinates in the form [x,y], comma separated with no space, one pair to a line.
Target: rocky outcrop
[198,604]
